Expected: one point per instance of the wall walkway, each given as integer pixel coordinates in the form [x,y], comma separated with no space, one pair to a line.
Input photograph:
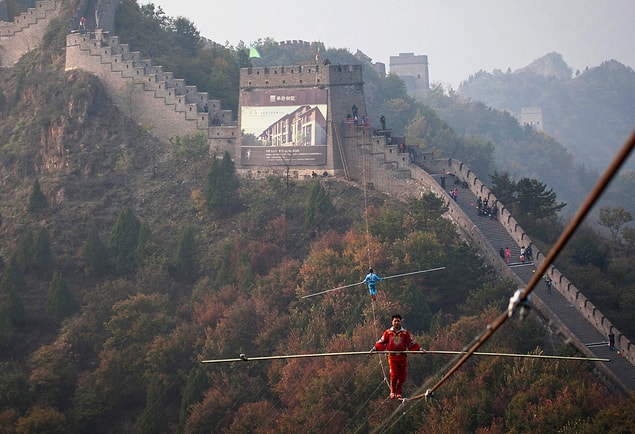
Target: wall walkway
[566,309]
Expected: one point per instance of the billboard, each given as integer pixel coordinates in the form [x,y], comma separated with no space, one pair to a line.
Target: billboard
[282,127]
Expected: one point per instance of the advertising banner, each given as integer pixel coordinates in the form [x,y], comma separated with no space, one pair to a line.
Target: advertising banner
[285,127]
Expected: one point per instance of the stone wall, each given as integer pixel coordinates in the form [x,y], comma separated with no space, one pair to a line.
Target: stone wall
[560,282]
[26,31]
[165,105]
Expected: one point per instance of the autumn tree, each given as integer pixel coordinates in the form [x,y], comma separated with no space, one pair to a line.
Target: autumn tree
[53,374]
[61,302]
[37,200]
[42,420]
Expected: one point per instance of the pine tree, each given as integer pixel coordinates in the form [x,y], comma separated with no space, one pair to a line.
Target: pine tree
[7,329]
[318,204]
[37,200]
[197,384]
[11,287]
[142,241]
[94,254]
[184,260]
[154,420]
[123,240]
[24,254]
[61,302]
[42,255]
[221,186]
[12,280]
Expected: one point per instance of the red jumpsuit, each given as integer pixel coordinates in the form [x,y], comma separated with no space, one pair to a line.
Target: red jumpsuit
[397,340]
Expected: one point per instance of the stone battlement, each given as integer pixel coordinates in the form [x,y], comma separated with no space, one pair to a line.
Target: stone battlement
[42,9]
[26,31]
[301,75]
[166,105]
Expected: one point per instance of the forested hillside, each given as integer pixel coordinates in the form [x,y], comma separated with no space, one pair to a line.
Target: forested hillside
[590,112]
[126,261]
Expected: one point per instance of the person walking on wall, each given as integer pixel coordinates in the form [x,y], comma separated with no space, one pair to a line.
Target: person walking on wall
[549,284]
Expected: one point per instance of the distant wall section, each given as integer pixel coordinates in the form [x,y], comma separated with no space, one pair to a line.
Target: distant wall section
[26,31]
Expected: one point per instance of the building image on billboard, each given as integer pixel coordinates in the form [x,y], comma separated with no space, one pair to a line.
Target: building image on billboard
[284,127]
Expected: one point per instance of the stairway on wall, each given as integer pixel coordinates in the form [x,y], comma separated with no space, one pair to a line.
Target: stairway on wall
[373,156]
[42,10]
[26,31]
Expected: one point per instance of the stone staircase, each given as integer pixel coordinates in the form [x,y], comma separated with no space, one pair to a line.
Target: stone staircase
[42,9]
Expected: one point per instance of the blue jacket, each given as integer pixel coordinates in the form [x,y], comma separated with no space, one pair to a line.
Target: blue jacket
[371,278]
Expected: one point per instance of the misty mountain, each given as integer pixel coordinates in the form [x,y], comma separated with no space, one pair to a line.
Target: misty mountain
[590,112]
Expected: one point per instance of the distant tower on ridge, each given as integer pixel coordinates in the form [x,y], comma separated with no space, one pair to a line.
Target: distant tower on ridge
[413,70]
[531,116]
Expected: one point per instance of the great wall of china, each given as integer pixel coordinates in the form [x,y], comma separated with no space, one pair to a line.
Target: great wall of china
[168,107]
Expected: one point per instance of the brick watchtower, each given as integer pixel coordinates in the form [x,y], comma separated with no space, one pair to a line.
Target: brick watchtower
[300,117]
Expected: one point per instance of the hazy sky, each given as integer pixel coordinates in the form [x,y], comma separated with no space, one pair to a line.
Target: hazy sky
[460,37]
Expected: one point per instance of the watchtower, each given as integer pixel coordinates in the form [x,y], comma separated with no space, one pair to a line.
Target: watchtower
[413,70]
[303,117]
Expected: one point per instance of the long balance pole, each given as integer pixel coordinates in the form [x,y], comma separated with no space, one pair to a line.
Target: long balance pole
[244,358]
[385,278]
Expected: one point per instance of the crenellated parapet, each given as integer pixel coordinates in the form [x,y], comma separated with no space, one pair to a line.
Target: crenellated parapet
[301,76]
[154,98]
[26,31]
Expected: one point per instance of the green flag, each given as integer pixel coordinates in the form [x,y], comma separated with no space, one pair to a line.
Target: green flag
[253,52]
